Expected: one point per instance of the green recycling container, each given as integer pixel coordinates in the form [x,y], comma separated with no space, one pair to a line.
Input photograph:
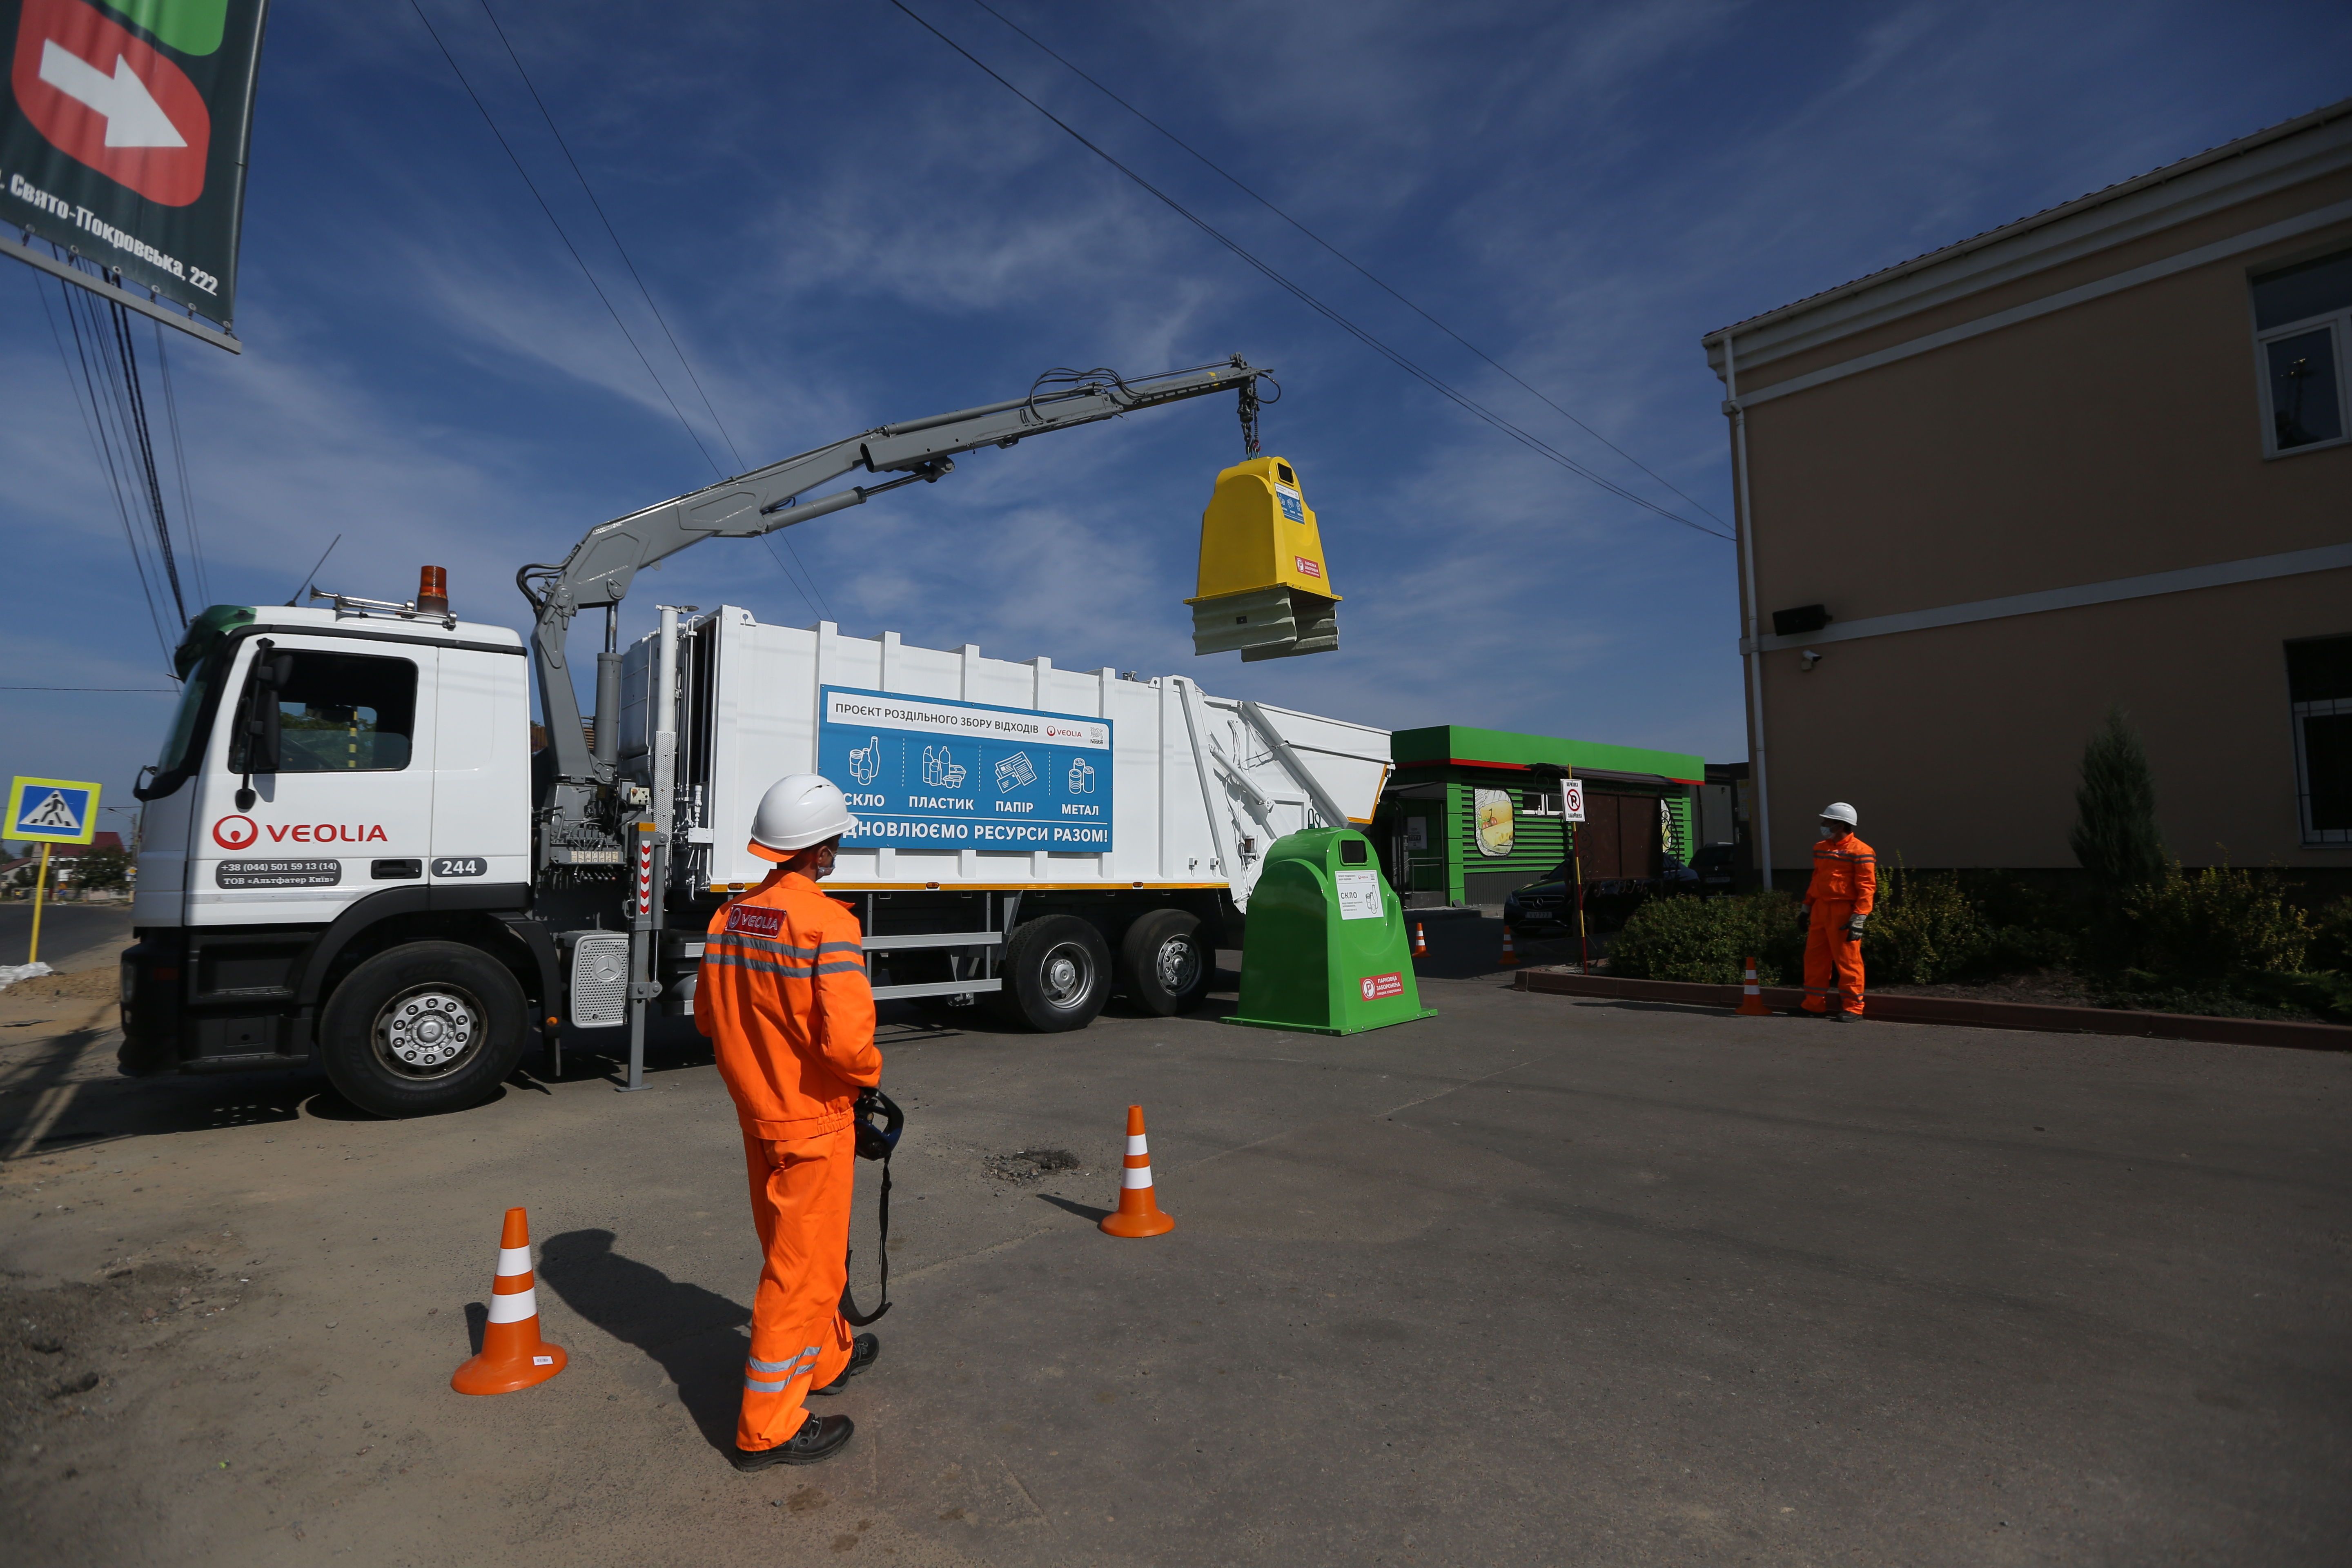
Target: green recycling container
[1324,951]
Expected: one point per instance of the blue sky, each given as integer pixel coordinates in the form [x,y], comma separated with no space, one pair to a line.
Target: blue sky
[847,224]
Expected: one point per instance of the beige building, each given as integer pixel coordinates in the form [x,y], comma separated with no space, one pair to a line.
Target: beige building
[2097,457]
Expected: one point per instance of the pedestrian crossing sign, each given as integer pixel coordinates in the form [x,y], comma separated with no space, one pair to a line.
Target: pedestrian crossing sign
[52,810]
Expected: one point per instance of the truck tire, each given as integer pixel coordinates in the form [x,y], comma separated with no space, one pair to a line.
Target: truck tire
[424,1028]
[1164,967]
[1057,975]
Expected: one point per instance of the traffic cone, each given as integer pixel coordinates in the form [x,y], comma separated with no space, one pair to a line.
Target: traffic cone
[513,1355]
[1420,942]
[1138,1212]
[1510,952]
[1751,995]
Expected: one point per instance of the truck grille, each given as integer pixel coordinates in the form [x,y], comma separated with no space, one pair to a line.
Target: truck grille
[600,980]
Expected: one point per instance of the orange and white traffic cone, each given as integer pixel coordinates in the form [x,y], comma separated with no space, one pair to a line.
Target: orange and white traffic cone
[513,1355]
[1751,995]
[1138,1212]
[1510,952]
[1420,942]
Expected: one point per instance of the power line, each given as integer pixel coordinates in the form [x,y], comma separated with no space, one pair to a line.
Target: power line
[149,691]
[1343,256]
[180,463]
[613,234]
[88,402]
[557,225]
[1462,400]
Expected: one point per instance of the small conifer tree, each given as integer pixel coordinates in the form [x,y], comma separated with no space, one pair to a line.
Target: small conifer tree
[2115,837]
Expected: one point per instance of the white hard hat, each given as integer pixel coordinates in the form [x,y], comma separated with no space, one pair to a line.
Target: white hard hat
[1838,811]
[798,811]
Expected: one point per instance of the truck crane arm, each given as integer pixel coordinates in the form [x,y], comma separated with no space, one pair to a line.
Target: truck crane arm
[601,566]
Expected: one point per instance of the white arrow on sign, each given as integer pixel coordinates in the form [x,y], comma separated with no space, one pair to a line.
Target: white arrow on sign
[134,118]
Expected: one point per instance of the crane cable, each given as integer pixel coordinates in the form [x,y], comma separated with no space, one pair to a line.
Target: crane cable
[1469,404]
[1375,280]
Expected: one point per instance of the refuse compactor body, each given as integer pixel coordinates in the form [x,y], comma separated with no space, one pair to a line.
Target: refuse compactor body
[971,773]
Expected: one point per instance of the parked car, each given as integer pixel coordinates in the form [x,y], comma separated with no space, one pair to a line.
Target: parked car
[1608,901]
[1713,864]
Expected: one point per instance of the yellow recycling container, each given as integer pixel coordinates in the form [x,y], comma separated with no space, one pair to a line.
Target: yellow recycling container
[1265,589]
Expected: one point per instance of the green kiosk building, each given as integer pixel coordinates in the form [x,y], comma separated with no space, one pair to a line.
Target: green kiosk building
[1466,817]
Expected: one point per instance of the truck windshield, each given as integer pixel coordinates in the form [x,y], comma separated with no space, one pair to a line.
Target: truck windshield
[192,692]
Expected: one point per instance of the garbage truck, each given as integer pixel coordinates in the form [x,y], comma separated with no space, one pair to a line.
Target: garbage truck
[359,853]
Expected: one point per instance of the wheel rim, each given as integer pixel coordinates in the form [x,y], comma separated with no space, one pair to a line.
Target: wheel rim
[1066,975]
[1179,964]
[429,1031]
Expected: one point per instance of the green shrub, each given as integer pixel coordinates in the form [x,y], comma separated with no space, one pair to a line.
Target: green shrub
[1711,940]
[2115,836]
[1922,930]
[2331,938]
[2212,924]
[2248,994]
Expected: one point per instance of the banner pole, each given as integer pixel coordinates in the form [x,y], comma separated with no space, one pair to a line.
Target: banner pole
[40,888]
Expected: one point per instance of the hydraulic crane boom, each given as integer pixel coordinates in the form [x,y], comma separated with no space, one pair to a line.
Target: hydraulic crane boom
[601,566]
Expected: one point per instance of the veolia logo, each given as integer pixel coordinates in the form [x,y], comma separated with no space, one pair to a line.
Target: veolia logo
[235,833]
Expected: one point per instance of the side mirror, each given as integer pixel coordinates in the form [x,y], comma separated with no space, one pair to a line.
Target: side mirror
[263,733]
[263,728]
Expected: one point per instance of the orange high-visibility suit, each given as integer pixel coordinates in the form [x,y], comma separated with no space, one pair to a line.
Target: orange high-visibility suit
[1846,884]
[784,997]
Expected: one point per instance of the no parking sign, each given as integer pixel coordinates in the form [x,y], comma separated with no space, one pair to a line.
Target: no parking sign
[1571,799]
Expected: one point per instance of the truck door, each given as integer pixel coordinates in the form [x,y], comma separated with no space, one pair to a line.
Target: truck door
[481,770]
[349,807]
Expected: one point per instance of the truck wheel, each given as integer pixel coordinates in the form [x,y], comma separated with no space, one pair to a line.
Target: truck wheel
[1163,966]
[1056,974]
[424,1028]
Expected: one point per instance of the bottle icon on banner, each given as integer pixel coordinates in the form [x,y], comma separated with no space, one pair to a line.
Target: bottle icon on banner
[941,770]
[1082,776]
[866,761]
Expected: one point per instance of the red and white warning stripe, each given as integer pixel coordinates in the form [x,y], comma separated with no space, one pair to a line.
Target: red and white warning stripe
[1139,1163]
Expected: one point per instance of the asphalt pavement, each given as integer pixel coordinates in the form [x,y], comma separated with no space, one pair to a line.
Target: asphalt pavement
[66,928]
[1537,1281]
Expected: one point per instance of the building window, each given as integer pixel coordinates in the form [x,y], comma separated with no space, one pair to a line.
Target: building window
[2319,688]
[2303,322]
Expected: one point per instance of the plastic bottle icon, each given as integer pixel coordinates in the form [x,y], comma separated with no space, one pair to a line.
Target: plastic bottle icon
[1082,776]
[941,770]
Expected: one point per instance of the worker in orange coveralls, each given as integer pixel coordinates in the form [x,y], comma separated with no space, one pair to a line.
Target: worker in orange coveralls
[1844,891]
[784,997]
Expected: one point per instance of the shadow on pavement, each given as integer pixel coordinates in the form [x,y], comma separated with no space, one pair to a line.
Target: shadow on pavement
[1083,1211]
[691,1332]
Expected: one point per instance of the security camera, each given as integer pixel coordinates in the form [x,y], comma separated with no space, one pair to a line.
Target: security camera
[1809,658]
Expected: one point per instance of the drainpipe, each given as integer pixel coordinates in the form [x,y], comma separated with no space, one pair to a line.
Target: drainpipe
[1743,521]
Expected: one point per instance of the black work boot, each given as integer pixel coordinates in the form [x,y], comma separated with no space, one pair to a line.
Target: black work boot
[819,1439]
[862,1351]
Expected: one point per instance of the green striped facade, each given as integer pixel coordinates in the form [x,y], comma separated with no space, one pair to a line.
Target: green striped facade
[1431,797]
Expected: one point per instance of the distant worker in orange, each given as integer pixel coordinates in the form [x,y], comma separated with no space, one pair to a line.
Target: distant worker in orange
[784,997]
[1844,891]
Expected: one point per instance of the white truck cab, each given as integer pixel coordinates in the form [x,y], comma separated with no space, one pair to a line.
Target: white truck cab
[338,784]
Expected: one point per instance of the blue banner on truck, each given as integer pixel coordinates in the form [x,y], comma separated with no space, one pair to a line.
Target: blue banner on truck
[926,773]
